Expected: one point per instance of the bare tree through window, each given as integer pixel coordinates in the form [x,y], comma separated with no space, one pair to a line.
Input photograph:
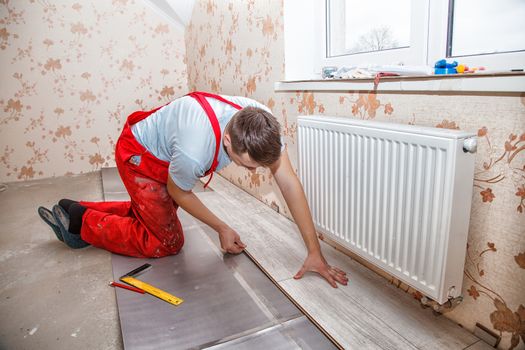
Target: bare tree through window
[356,26]
[377,39]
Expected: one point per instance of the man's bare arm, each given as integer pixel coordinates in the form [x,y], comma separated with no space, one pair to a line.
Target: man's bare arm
[187,200]
[295,198]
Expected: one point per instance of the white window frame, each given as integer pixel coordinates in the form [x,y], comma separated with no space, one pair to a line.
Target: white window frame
[437,46]
[413,55]
[305,42]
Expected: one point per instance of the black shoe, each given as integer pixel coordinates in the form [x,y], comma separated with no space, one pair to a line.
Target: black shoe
[62,218]
[49,219]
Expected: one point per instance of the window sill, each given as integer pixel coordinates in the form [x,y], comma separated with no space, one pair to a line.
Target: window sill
[478,82]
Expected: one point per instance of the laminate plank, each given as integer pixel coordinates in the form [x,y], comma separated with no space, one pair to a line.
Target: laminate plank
[237,196]
[347,321]
[398,309]
[268,237]
[276,244]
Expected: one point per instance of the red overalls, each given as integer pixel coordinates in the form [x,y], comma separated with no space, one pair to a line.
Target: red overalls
[148,225]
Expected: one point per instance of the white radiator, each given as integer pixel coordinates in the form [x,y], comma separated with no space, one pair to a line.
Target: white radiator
[397,195]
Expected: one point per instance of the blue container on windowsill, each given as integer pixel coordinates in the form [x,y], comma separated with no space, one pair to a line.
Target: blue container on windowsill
[445,71]
[444,67]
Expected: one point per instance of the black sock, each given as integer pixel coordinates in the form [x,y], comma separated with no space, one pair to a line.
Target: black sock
[66,204]
[75,217]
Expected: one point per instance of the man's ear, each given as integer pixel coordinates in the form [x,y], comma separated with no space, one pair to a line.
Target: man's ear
[227,140]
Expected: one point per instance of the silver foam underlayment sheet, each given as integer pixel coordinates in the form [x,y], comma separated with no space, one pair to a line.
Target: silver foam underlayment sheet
[228,302]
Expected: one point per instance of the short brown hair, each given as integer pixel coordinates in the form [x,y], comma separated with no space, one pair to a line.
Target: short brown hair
[257,132]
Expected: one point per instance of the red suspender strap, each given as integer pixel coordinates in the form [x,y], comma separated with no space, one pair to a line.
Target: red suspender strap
[201,99]
[136,117]
[217,97]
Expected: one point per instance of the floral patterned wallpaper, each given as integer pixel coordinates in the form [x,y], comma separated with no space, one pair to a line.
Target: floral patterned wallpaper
[236,48]
[71,73]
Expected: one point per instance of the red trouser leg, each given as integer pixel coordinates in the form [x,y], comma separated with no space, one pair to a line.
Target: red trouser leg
[150,229]
[121,208]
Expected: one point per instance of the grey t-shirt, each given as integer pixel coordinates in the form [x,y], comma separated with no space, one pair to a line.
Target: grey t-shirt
[181,134]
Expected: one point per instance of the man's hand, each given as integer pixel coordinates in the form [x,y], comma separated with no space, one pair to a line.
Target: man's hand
[230,240]
[295,198]
[187,200]
[317,263]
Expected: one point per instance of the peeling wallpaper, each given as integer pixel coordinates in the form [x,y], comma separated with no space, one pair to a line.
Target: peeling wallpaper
[71,74]
[237,48]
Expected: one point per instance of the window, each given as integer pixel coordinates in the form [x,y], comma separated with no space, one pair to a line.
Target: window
[373,32]
[356,27]
[486,27]
[412,32]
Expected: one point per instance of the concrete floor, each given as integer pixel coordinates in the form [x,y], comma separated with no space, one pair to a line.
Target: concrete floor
[52,297]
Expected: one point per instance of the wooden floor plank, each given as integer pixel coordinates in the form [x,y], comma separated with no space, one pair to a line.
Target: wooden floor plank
[343,318]
[269,237]
[400,310]
[389,313]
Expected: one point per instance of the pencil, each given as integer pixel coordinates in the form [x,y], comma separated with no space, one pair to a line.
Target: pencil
[123,286]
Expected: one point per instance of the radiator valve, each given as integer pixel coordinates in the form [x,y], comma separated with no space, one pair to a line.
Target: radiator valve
[450,304]
[438,308]
[470,145]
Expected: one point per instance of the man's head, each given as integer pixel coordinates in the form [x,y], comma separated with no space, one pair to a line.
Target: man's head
[253,138]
